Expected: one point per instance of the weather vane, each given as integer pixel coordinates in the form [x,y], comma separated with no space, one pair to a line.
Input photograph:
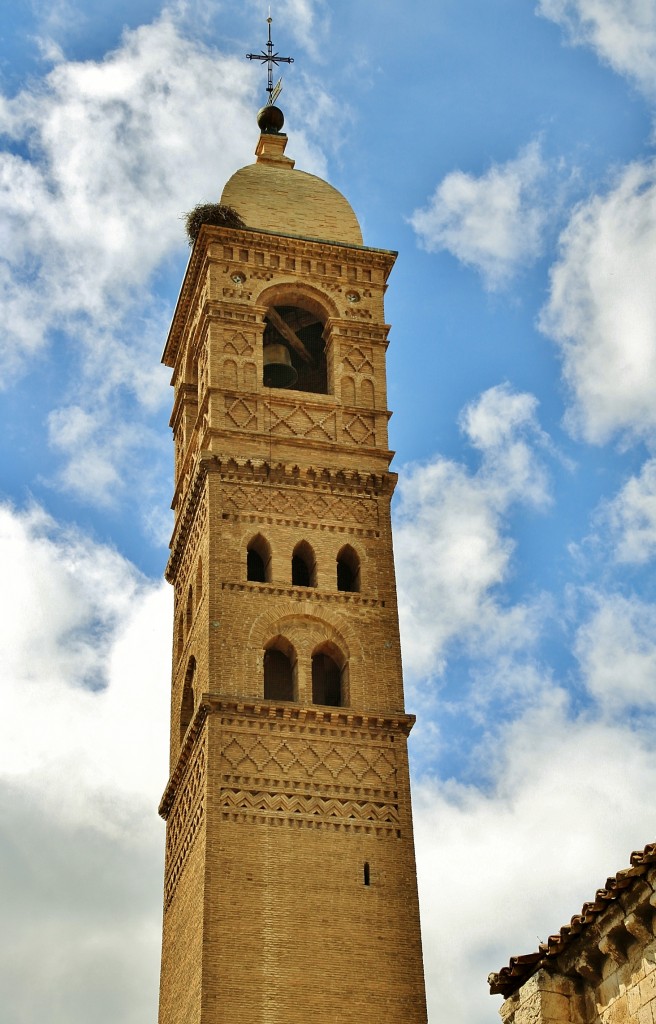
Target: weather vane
[270,58]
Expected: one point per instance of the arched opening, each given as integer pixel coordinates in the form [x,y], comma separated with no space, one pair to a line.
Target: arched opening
[279,665]
[304,567]
[326,680]
[187,705]
[258,560]
[189,614]
[348,570]
[179,637]
[199,581]
[296,356]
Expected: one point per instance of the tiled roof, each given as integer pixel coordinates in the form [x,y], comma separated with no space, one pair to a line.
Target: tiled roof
[520,968]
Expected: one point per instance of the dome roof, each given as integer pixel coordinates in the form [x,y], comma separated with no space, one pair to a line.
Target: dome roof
[272,196]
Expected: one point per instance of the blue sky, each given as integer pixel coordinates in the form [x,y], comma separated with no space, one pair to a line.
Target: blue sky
[506,150]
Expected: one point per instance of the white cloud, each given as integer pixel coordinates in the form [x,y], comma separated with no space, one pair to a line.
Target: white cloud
[493,223]
[602,309]
[100,160]
[307,20]
[452,553]
[85,665]
[501,868]
[622,32]
[631,516]
[616,649]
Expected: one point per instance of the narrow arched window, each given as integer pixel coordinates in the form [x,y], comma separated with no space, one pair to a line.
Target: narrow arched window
[348,570]
[199,581]
[187,704]
[179,637]
[304,569]
[326,680]
[279,672]
[190,609]
[258,560]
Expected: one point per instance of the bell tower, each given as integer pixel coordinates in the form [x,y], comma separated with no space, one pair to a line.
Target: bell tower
[290,884]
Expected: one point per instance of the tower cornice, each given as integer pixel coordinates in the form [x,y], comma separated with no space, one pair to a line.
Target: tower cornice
[278,711]
[242,240]
[231,469]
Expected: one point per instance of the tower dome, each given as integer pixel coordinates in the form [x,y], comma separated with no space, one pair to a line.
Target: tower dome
[271,196]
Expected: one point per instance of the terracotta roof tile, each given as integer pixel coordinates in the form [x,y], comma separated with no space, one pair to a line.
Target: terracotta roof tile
[520,968]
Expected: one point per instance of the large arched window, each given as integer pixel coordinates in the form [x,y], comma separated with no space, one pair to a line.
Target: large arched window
[258,560]
[328,677]
[348,570]
[304,567]
[279,670]
[294,350]
[187,704]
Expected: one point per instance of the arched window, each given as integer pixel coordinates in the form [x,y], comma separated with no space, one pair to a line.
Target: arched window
[179,637]
[348,570]
[199,581]
[326,680]
[258,560]
[190,608]
[279,671]
[187,705]
[304,568]
[297,356]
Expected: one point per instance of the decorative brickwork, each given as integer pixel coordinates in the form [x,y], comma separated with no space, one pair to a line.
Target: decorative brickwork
[185,820]
[301,507]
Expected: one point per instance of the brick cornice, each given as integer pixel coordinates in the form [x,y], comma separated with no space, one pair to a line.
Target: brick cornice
[332,481]
[272,241]
[283,711]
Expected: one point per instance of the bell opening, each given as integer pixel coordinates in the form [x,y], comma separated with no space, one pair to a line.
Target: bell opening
[278,369]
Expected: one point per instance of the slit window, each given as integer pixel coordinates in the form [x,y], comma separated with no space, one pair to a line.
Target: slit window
[366,873]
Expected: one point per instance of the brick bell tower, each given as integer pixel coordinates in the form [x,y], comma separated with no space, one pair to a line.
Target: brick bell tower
[290,884]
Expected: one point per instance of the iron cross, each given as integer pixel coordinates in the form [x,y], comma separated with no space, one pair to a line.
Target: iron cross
[270,58]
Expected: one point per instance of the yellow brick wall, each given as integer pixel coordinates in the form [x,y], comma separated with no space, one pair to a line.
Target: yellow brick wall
[267,913]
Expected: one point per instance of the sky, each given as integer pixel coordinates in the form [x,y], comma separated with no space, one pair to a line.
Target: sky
[505,148]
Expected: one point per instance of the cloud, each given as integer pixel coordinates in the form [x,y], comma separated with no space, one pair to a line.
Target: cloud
[631,516]
[308,22]
[501,868]
[493,223]
[85,664]
[452,551]
[100,160]
[621,32]
[616,648]
[601,309]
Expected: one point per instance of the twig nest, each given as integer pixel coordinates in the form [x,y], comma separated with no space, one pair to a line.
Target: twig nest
[211,213]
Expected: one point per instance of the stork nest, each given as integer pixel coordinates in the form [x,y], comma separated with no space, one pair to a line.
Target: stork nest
[210,213]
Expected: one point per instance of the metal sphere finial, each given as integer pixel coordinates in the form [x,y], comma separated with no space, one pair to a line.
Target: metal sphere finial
[270,119]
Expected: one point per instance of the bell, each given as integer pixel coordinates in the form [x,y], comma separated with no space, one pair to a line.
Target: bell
[278,369]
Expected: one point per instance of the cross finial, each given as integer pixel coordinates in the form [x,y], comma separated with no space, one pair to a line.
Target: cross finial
[270,58]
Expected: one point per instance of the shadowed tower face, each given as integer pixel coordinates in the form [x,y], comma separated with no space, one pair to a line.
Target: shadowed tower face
[290,887]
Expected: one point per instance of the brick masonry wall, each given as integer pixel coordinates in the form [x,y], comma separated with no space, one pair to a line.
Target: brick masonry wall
[273,810]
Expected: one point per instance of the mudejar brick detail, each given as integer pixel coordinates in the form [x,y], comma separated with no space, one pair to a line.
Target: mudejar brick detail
[290,884]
